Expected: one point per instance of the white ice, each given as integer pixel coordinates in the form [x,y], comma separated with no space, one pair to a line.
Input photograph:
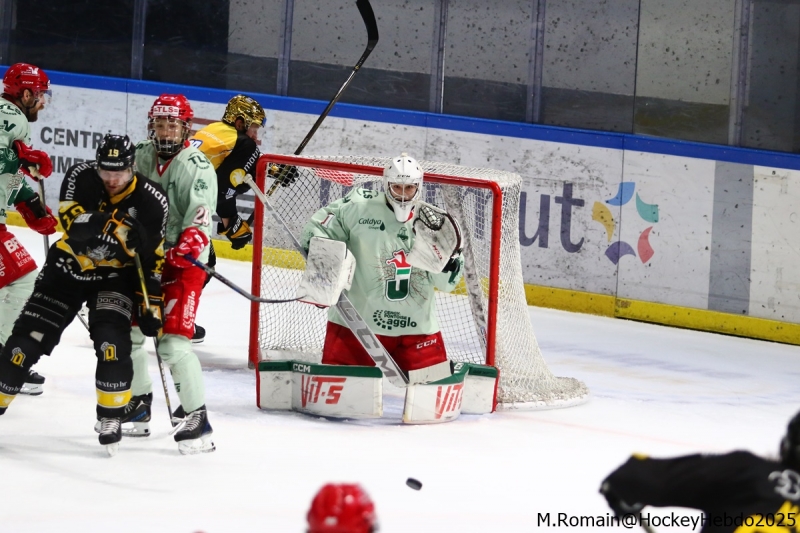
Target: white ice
[655,389]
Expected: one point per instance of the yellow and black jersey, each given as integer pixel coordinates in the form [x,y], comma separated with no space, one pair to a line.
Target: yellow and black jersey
[83,195]
[738,492]
[233,155]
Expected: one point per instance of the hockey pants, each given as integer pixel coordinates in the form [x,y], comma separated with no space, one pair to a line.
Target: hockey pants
[57,296]
[12,298]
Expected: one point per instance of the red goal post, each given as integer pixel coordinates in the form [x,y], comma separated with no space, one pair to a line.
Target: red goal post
[489,310]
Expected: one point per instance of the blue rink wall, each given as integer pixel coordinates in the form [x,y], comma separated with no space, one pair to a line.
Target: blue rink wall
[672,232]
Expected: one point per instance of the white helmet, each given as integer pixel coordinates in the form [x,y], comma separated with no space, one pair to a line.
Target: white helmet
[402,170]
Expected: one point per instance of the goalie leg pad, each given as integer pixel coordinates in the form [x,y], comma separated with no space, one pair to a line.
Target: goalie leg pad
[434,403]
[480,389]
[329,270]
[337,391]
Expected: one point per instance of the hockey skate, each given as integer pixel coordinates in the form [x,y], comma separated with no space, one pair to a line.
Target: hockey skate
[110,434]
[136,420]
[199,334]
[194,435]
[34,384]
[177,416]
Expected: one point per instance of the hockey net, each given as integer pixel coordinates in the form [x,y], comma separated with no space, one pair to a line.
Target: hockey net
[485,320]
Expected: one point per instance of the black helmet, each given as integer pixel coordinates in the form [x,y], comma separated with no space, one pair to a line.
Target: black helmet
[116,152]
[790,445]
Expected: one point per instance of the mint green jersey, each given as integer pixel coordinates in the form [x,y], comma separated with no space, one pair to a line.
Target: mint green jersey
[393,297]
[13,127]
[191,185]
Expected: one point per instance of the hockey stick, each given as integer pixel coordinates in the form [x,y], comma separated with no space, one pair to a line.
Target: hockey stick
[351,317]
[232,285]
[365,9]
[161,371]
[40,181]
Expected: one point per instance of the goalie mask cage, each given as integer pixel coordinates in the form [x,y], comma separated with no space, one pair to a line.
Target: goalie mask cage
[485,320]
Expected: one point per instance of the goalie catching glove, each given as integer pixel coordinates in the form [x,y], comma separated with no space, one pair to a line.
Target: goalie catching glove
[150,319]
[437,245]
[329,270]
[191,242]
[37,216]
[238,232]
[29,158]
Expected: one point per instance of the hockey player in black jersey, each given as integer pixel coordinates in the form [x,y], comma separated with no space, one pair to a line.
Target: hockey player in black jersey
[109,214]
[738,491]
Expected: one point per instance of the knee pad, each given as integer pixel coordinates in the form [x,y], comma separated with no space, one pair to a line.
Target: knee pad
[110,322]
[21,352]
[44,318]
[174,348]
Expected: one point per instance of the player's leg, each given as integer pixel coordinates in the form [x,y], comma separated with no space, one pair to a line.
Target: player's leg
[51,307]
[181,288]
[199,334]
[110,312]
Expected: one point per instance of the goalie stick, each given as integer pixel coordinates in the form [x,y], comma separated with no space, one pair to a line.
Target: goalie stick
[349,314]
[161,371]
[365,9]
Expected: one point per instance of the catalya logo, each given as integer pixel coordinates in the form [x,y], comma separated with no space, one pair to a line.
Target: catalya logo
[647,212]
[397,287]
[312,388]
[373,223]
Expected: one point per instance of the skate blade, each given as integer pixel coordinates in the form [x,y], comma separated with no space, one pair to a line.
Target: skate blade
[195,446]
[32,389]
[112,449]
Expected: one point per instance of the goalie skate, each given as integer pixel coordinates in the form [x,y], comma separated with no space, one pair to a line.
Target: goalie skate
[136,420]
[194,435]
[34,384]
[110,434]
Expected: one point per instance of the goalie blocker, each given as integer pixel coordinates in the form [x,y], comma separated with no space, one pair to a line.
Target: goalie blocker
[338,391]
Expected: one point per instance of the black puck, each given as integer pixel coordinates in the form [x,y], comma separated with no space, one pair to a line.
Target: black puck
[413,483]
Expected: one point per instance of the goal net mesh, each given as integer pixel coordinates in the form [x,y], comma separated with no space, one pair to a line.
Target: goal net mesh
[297,330]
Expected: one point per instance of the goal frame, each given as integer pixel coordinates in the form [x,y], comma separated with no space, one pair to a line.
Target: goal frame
[258,236]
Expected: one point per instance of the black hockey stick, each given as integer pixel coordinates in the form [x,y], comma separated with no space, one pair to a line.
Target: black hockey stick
[161,371]
[365,9]
[211,272]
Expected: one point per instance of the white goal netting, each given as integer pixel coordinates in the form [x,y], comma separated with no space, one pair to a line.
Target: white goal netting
[485,320]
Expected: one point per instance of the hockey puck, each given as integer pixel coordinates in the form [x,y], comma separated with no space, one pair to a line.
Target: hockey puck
[413,483]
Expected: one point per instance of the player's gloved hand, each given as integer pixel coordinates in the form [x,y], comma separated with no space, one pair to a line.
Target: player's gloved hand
[37,216]
[150,319]
[125,231]
[283,174]
[617,504]
[192,242]
[39,160]
[238,232]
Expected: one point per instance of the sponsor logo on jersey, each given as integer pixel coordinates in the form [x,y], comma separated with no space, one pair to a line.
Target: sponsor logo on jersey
[392,319]
[373,223]
[312,388]
[448,399]
[403,234]
[397,287]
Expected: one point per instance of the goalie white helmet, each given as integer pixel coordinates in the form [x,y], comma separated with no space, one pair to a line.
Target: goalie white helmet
[402,181]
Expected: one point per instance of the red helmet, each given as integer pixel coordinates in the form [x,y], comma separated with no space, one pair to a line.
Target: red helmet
[174,107]
[342,508]
[21,76]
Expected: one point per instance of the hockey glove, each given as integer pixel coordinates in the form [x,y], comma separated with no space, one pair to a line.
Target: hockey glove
[192,242]
[150,319]
[37,216]
[617,504]
[283,174]
[239,232]
[124,231]
[37,159]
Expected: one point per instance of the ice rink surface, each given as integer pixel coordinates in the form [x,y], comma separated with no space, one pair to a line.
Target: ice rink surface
[656,390]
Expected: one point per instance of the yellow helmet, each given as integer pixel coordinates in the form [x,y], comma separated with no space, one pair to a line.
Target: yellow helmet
[245,107]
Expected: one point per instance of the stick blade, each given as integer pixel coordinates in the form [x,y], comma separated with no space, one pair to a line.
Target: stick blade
[368,15]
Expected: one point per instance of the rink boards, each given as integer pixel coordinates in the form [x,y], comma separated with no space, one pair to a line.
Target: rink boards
[672,232]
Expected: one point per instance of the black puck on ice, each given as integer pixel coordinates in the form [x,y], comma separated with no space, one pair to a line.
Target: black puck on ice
[413,483]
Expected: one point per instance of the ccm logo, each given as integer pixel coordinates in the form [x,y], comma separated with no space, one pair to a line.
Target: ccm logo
[296,367]
[426,343]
